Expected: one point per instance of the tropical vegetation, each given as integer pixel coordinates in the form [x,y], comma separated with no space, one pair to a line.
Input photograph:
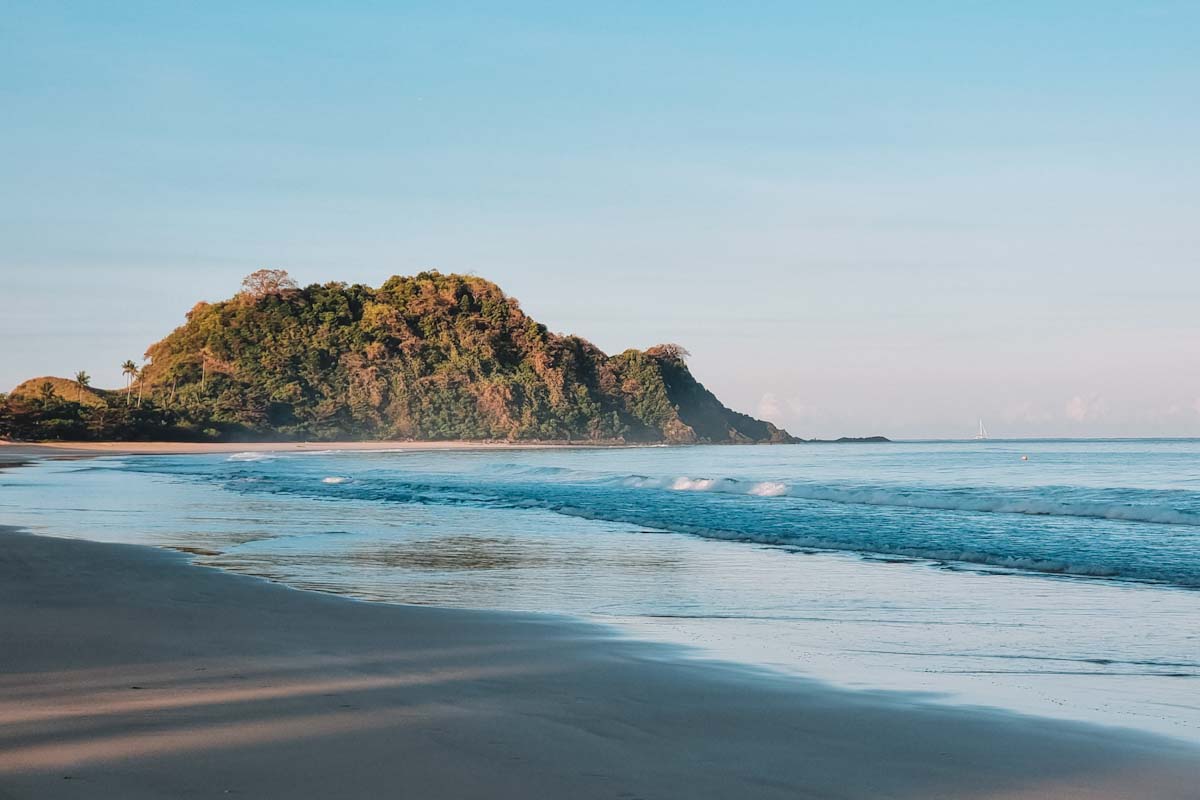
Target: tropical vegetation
[430,356]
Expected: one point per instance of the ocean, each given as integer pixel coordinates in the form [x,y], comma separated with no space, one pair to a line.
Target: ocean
[1059,578]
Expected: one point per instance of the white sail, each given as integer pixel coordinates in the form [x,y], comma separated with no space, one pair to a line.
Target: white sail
[982,431]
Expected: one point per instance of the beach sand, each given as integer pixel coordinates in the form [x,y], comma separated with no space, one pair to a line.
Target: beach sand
[128,672]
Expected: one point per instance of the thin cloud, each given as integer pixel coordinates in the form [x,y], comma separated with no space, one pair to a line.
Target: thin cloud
[1086,409]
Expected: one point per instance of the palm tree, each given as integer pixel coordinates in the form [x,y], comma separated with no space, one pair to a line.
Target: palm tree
[141,379]
[205,355]
[129,370]
[83,379]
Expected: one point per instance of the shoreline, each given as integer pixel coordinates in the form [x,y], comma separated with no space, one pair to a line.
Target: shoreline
[19,452]
[132,672]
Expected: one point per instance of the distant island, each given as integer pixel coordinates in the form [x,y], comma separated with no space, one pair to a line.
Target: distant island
[430,357]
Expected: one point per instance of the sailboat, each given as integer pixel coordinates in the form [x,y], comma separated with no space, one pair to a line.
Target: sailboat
[982,431]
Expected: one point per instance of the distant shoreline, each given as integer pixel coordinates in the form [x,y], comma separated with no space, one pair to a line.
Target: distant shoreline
[15,452]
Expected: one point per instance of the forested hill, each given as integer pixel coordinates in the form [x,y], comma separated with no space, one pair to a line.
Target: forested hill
[426,357]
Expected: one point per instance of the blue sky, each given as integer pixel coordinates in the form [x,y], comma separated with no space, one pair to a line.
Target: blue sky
[867,217]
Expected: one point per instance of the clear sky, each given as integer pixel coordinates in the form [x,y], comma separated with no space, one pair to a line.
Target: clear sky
[860,217]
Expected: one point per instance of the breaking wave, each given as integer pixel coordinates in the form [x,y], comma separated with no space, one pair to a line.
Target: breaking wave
[252,456]
[1112,533]
[933,501]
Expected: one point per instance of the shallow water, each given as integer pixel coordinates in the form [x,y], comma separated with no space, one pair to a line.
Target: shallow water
[1065,584]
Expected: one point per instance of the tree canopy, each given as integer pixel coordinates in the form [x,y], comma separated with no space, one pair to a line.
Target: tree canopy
[264,282]
[430,356]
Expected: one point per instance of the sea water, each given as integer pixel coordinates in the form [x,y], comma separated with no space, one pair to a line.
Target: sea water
[1052,577]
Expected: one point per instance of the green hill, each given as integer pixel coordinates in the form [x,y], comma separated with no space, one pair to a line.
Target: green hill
[64,389]
[426,357]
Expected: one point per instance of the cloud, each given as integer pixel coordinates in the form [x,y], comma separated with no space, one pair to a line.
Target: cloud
[799,409]
[769,408]
[788,410]
[1086,409]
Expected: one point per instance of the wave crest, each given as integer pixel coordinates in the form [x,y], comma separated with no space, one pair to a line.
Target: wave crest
[931,501]
[252,455]
[801,516]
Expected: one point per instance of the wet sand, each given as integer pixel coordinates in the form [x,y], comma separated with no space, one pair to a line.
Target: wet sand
[128,672]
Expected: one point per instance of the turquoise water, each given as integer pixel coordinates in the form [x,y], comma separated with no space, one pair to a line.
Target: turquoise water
[1056,577]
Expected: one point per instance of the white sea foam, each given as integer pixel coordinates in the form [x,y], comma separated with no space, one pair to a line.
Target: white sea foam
[252,456]
[335,479]
[932,501]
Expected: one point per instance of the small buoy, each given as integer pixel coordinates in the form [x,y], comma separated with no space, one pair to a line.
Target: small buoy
[1024,458]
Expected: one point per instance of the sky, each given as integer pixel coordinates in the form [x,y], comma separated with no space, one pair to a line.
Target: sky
[860,218]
